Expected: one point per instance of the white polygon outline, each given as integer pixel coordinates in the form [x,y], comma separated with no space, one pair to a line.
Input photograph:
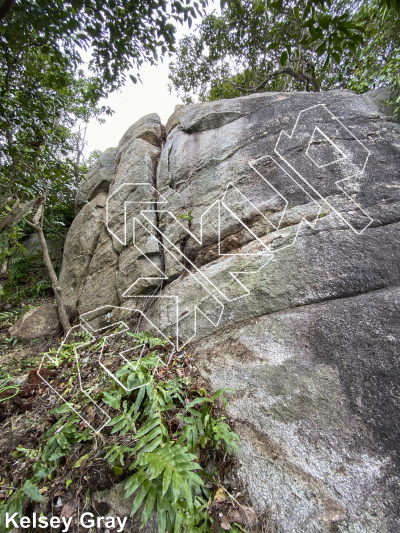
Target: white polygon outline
[126,328]
[79,377]
[92,339]
[267,248]
[268,253]
[164,277]
[344,156]
[337,182]
[195,268]
[134,368]
[303,221]
[147,185]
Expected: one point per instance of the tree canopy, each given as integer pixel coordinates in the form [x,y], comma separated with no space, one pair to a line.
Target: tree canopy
[263,45]
[378,61]
[46,94]
[120,34]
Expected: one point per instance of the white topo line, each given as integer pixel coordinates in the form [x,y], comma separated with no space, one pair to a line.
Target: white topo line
[150,196]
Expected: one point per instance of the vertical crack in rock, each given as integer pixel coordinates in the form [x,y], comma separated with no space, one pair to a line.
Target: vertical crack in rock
[157,233]
[159,237]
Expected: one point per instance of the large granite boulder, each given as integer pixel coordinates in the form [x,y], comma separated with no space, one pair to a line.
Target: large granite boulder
[273,222]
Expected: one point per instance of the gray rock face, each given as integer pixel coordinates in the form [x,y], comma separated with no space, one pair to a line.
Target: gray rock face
[35,324]
[274,222]
[113,502]
[98,178]
[383,98]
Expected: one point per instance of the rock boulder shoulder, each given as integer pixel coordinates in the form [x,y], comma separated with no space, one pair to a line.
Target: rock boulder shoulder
[37,323]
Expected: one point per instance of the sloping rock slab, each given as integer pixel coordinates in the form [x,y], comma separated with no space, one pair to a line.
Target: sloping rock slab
[37,323]
[316,406]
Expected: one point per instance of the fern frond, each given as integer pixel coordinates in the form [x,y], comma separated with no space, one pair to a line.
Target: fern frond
[165,475]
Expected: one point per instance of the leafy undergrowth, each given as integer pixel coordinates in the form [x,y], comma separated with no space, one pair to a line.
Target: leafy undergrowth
[16,358]
[27,276]
[167,442]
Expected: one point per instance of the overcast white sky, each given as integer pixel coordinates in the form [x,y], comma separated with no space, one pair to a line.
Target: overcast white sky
[134,101]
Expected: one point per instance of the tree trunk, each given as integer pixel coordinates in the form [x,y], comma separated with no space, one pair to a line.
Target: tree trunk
[37,225]
[3,274]
[5,8]
[80,145]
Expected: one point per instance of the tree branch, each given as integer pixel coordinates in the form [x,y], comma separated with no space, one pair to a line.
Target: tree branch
[8,219]
[300,76]
[37,225]
[4,202]
[18,211]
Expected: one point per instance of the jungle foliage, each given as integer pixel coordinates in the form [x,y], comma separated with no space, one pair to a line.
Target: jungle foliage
[45,94]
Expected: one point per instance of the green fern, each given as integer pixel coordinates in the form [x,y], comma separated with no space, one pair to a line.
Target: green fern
[62,436]
[116,453]
[163,478]
[124,422]
[201,426]
[144,337]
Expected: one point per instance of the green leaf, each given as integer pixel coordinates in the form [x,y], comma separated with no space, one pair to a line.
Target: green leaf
[134,483]
[68,483]
[307,9]
[41,471]
[113,400]
[176,485]
[118,471]
[140,496]
[167,479]
[139,399]
[80,460]
[162,515]
[352,47]
[221,392]
[32,491]
[309,23]
[63,408]
[336,57]
[55,456]
[317,35]
[324,21]
[150,500]
[344,30]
